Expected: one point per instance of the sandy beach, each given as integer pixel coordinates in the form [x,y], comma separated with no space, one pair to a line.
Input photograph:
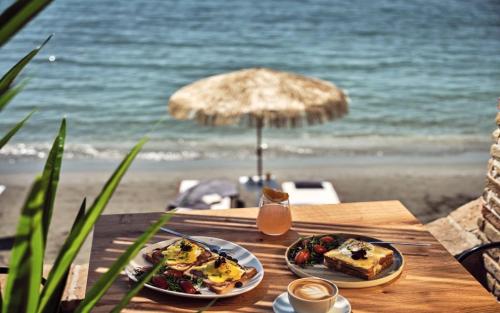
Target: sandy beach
[429,186]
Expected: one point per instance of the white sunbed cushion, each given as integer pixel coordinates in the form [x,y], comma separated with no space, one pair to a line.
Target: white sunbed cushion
[325,195]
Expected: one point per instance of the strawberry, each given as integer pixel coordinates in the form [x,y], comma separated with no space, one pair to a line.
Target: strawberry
[319,249]
[302,257]
[159,281]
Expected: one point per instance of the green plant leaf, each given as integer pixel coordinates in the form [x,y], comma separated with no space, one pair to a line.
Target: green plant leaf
[50,174]
[136,288]
[7,96]
[14,130]
[9,77]
[25,266]
[55,301]
[17,15]
[207,306]
[32,232]
[77,237]
[107,279]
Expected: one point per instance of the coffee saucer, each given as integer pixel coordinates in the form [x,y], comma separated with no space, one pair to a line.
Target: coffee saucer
[282,305]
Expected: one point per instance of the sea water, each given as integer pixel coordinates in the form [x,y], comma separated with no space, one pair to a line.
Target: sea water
[423,76]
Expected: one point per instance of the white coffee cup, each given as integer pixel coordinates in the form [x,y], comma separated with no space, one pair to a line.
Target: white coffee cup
[312,295]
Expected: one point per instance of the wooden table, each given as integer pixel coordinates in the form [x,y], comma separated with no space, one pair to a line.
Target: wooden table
[432,280]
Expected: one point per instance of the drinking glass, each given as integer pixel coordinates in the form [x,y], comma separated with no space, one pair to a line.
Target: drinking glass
[274,216]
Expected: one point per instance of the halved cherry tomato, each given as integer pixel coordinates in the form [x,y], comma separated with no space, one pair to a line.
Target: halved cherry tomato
[173,273]
[302,257]
[319,249]
[187,286]
[159,281]
[326,239]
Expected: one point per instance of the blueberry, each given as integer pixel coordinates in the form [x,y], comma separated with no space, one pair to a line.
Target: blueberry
[223,254]
[238,284]
[214,251]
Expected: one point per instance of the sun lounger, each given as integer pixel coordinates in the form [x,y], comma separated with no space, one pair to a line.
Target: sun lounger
[208,195]
[311,192]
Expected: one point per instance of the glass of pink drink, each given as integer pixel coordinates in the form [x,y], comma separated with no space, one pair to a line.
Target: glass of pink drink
[274,216]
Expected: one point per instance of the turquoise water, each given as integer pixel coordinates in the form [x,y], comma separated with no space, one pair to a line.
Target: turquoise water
[423,76]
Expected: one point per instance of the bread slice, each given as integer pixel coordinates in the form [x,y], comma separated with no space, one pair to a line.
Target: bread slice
[180,255]
[349,258]
[221,275]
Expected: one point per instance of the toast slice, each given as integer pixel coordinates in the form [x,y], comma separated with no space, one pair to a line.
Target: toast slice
[221,275]
[180,255]
[359,258]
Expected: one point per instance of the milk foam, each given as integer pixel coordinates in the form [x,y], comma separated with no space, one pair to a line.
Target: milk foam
[312,291]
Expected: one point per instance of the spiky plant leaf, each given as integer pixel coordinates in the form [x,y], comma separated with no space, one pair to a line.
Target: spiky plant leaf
[14,130]
[7,96]
[55,301]
[9,77]
[107,279]
[17,15]
[77,237]
[207,306]
[136,288]
[51,171]
[25,273]
[27,254]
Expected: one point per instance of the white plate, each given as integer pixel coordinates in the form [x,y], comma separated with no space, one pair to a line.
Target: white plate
[244,257]
[347,281]
[282,305]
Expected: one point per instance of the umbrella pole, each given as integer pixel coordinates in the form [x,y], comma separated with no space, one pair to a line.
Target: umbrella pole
[259,147]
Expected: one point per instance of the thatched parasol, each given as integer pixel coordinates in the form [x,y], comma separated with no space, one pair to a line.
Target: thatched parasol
[259,97]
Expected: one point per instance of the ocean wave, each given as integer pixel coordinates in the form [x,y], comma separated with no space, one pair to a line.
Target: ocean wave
[243,149]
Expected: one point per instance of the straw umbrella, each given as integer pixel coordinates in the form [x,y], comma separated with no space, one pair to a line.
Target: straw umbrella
[259,97]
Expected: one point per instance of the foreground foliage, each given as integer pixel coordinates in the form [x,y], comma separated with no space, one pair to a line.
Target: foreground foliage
[24,291]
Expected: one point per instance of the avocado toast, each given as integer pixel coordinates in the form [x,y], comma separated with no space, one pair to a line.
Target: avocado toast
[188,267]
[221,275]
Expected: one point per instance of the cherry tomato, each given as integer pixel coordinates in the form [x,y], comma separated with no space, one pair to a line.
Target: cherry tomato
[302,257]
[326,239]
[159,281]
[319,249]
[187,286]
[173,273]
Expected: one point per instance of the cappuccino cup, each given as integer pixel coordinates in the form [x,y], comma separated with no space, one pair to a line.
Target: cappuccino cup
[312,295]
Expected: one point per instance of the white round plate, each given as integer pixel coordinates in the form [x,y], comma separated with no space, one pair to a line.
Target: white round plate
[347,281]
[244,257]
[282,305]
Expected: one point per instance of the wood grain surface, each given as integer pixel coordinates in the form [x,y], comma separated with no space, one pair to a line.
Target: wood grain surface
[432,280]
